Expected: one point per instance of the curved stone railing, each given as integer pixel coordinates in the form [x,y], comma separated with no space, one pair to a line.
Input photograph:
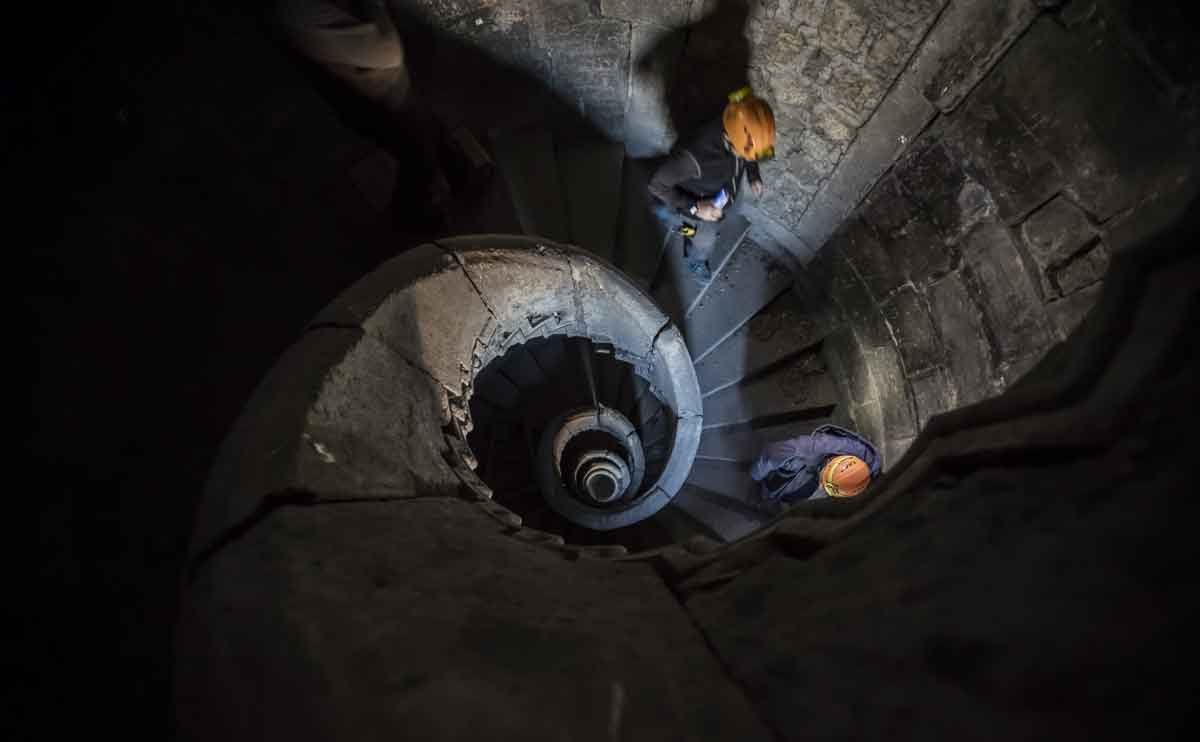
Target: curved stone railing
[373,401]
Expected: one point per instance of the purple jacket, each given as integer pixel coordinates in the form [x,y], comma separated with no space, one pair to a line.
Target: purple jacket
[789,469]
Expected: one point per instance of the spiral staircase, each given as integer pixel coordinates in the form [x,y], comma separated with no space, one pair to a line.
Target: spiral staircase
[753,343]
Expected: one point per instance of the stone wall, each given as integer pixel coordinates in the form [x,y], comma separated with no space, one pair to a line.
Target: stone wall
[963,169]
[642,72]
[986,242]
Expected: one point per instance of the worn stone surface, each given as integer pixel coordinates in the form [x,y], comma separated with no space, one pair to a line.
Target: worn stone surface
[782,328]
[800,384]
[382,618]
[998,150]
[913,330]
[1056,231]
[423,306]
[960,325]
[1068,312]
[670,13]
[1060,84]
[333,419]
[1008,295]
[933,393]
[858,308]
[1082,270]
[590,71]
[847,362]
[891,387]
[872,262]
[985,29]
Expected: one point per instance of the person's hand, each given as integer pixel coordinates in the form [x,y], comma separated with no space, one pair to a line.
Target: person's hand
[708,211]
[757,187]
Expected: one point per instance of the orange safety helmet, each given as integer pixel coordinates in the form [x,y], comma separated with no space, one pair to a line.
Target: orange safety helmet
[845,476]
[749,125]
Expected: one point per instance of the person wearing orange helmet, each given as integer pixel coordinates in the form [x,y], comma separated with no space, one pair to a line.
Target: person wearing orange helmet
[829,462]
[702,178]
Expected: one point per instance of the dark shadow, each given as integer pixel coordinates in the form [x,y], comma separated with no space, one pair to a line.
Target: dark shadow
[699,66]
[714,62]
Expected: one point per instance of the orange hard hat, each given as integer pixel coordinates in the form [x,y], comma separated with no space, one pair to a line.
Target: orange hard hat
[749,125]
[845,476]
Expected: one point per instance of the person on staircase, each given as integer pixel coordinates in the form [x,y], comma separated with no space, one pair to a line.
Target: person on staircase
[702,177]
[829,462]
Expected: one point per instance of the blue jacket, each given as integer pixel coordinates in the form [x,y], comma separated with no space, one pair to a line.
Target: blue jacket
[789,469]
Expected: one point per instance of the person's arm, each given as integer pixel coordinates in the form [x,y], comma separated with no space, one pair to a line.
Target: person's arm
[664,185]
[772,457]
[754,178]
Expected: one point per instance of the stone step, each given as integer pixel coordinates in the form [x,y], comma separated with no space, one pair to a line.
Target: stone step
[728,478]
[640,235]
[678,525]
[526,158]
[591,173]
[783,328]
[677,290]
[800,385]
[752,278]
[744,445]
[725,518]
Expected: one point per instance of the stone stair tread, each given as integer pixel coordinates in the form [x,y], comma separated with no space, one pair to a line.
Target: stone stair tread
[527,159]
[677,292]
[738,445]
[752,278]
[677,524]
[727,478]
[640,236]
[799,385]
[783,328]
[591,173]
[723,517]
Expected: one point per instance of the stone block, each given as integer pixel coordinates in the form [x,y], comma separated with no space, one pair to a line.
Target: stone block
[1068,312]
[913,330]
[1061,85]
[888,207]
[1056,231]
[846,361]
[899,118]
[919,251]
[891,387]
[867,421]
[935,180]
[668,13]
[1008,295]
[852,88]
[866,252]
[858,308]
[844,26]
[593,76]
[982,30]
[999,151]
[1082,270]
[893,450]
[933,394]
[339,415]
[960,326]
[422,305]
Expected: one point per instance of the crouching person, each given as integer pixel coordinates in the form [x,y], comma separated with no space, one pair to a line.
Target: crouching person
[829,462]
